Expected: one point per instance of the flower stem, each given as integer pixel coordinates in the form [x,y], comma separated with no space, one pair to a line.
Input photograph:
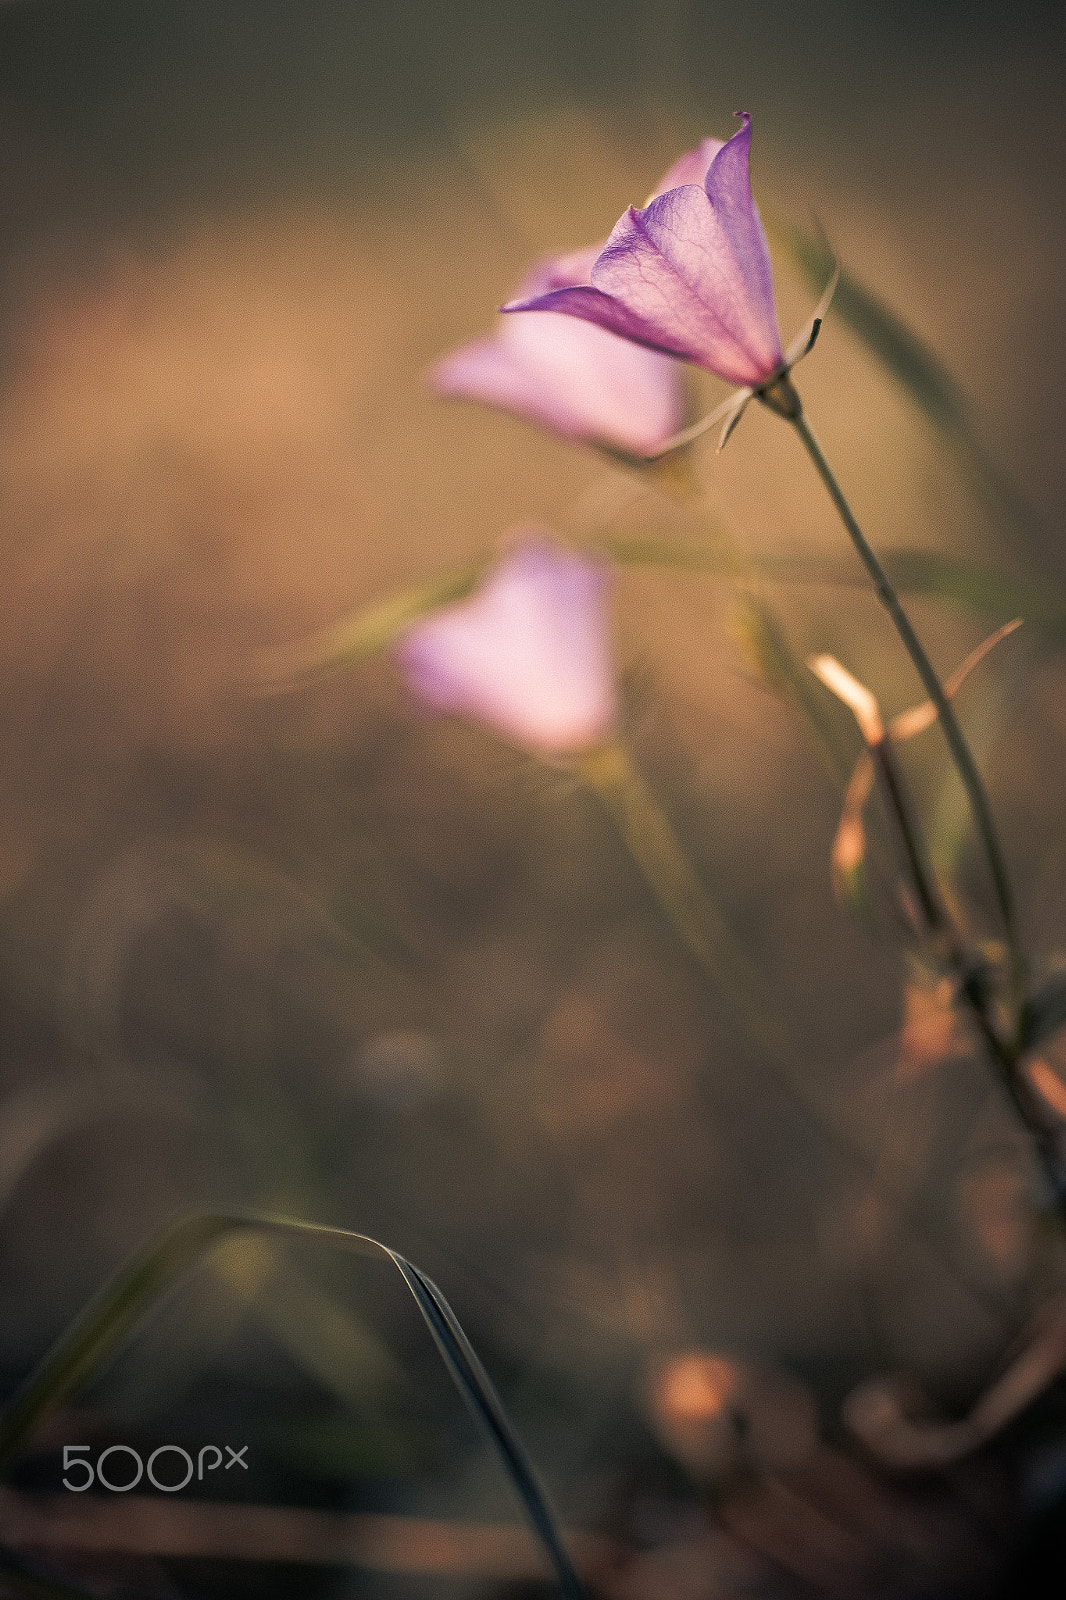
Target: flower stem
[944,934]
[657,851]
[898,802]
[956,741]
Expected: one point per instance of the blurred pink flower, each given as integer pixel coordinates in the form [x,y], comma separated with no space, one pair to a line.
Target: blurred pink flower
[527,654]
[690,273]
[567,375]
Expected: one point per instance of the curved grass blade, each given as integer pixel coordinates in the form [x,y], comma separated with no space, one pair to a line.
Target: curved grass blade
[480,1394]
[116,1311]
[363,634]
[762,636]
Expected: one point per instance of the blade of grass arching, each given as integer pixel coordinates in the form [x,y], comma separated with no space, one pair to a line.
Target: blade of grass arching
[102,1325]
[480,1394]
[114,1314]
[918,371]
[365,633]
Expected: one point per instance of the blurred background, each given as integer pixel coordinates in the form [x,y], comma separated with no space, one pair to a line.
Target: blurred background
[314,952]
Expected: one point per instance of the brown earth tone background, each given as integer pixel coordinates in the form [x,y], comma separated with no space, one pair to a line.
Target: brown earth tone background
[313,952]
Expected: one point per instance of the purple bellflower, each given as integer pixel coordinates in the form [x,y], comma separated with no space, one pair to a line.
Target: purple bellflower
[570,376]
[527,654]
[689,274]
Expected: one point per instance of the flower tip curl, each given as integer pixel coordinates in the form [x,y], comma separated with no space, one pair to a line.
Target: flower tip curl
[688,275]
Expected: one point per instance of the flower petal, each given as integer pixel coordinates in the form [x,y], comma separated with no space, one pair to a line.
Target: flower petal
[728,186]
[690,168]
[606,311]
[568,375]
[670,265]
[688,275]
[560,271]
[573,379]
[527,655]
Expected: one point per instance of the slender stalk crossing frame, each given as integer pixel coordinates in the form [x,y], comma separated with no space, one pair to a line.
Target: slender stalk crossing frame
[121,1305]
[953,734]
[1004,1052]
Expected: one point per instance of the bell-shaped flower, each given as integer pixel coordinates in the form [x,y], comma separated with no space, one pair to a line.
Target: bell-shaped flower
[567,375]
[689,274]
[527,654]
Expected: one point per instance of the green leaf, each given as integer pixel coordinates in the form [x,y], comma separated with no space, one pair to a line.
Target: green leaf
[115,1313]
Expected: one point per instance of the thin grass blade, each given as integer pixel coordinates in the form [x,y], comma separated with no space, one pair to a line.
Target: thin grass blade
[365,633]
[115,1313]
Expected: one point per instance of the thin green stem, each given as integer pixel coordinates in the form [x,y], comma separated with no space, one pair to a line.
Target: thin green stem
[1003,1052]
[898,800]
[943,932]
[956,741]
[952,951]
